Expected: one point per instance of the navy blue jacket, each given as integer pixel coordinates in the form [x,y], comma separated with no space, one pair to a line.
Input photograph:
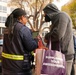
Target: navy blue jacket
[21,43]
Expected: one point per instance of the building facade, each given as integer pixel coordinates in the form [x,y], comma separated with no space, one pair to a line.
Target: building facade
[4,12]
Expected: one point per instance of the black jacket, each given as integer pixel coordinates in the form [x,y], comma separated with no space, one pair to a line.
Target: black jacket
[21,43]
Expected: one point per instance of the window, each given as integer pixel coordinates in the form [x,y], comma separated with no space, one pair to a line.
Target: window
[3,0]
[1,30]
[0,8]
[2,19]
[1,36]
[3,9]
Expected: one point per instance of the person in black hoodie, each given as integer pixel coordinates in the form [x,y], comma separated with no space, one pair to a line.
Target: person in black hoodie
[18,44]
[61,32]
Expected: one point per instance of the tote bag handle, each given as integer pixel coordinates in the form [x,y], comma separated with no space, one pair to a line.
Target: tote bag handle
[50,48]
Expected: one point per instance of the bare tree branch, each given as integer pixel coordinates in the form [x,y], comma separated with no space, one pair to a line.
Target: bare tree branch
[35,9]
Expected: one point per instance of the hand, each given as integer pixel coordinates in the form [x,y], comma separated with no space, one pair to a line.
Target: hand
[46,41]
[41,45]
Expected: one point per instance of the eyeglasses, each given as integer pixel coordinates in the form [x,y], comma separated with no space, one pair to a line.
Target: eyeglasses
[26,16]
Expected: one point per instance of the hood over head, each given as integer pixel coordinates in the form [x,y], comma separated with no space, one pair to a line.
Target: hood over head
[50,8]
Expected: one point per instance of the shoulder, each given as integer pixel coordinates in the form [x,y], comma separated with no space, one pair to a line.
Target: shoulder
[63,16]
[21,26]
[25,30]
[18,26]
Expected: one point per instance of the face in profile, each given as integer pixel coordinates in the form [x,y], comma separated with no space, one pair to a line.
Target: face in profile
[23,19]
[47,19]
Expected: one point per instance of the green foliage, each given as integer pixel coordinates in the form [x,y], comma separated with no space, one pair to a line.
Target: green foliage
[71,10]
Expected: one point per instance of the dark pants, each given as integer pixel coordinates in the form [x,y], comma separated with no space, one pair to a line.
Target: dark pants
[5,72]
[73,70]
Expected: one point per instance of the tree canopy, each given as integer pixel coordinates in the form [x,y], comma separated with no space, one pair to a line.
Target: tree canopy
[36,15]
[71,10]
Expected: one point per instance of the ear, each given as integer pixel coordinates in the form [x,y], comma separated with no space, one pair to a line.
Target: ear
[19,18]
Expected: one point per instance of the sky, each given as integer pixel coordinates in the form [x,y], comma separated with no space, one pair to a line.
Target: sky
[60,3]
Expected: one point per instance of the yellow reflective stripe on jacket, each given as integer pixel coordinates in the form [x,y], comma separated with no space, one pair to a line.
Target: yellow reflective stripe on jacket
[0,60]
[32,53]
[11,56]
